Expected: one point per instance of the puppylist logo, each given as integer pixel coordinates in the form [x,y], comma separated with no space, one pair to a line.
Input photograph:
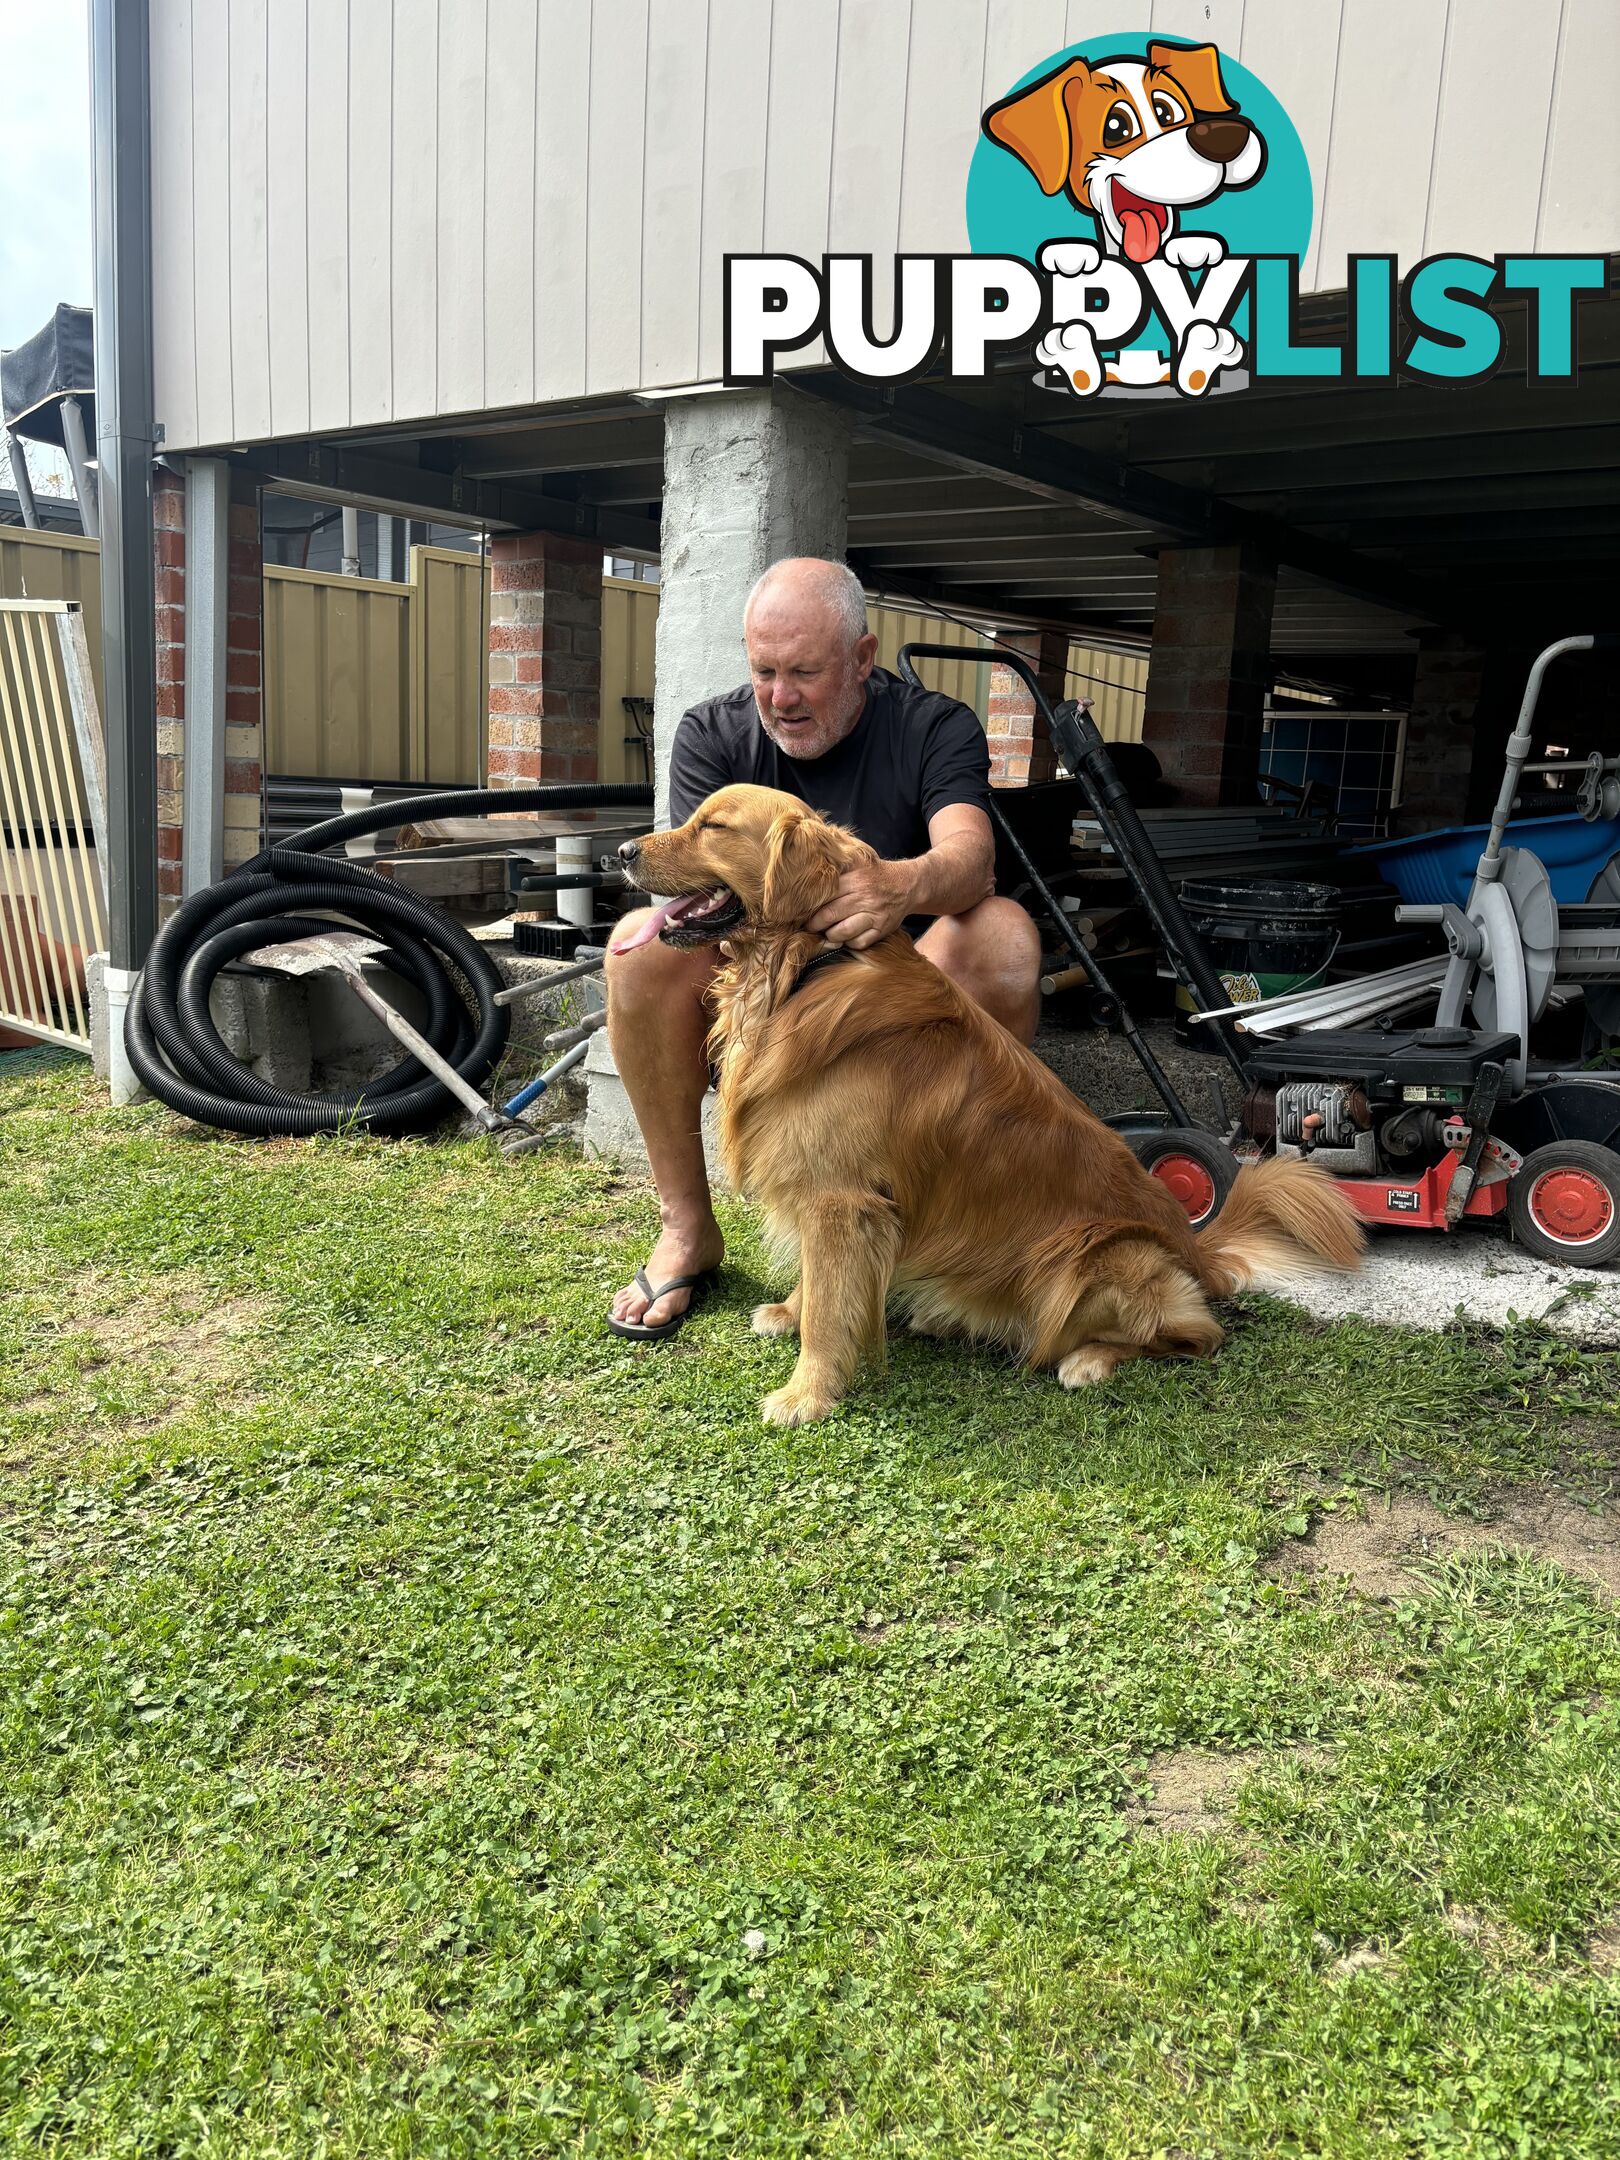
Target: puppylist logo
[1140,210]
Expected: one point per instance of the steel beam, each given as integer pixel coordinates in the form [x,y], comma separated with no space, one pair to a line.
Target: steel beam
[984,443]
[125,430]
[327,472]
[22,480]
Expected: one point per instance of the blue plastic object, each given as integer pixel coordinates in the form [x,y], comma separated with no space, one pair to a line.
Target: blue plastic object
[1439,866]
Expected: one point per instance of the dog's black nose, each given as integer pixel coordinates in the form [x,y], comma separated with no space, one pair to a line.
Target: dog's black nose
[628,851]
[1220,140]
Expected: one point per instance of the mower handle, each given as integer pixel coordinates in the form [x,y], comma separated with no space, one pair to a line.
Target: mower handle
[1085,753]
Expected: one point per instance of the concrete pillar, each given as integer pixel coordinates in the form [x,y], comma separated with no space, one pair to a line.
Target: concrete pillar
[1210,670]
[545,658]
[749,476]
[1021,751]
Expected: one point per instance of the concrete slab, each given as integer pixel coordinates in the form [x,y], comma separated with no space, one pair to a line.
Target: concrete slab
[1426,1279]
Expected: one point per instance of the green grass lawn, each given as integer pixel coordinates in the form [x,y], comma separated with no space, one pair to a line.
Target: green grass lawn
[434,1726]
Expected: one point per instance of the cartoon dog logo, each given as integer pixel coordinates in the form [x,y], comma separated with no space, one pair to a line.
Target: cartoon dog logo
[1134,142]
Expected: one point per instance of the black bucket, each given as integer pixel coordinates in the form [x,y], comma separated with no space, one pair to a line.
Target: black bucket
[1263,939]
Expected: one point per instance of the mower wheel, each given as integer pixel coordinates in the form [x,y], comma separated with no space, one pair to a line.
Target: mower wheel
[1564,1204]
[1198,1168]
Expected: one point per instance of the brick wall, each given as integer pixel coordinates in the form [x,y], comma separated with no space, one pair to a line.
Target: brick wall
[244,716]
[244,683]
[1021,751]
[169,576]
[1210,671]
[545,658]
[1440,732]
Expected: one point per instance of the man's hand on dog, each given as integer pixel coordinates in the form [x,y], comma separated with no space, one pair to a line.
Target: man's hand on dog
[869,903]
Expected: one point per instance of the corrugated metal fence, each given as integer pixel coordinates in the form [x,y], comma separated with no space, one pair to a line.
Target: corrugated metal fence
[1115,681]
[369,680]
[365,679]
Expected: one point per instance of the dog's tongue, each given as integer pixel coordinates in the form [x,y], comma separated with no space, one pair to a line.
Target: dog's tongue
[1140,230]
[648,931]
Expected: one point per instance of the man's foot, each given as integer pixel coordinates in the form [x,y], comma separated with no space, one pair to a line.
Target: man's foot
[677,1253]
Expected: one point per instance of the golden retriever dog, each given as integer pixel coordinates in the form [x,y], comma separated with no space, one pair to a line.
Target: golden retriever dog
[903,1145]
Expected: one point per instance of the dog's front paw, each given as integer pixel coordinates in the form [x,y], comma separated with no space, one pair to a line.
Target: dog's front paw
[1088,1367]
[1205,350]
[1194,251]
[1069,258]
[1071,350]
[794,1405]
[775,1320]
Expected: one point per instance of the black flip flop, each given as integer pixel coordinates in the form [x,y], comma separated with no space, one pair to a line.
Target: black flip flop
[697,1284]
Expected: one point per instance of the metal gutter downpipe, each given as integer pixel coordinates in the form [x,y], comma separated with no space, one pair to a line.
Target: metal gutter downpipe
[126,438]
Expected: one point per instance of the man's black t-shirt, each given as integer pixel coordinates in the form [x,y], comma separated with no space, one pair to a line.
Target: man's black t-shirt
[910,754]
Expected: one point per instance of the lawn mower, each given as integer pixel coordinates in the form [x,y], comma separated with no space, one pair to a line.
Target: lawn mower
[1424,1126]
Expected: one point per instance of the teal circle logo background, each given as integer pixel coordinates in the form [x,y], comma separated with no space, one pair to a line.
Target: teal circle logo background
[1008,215]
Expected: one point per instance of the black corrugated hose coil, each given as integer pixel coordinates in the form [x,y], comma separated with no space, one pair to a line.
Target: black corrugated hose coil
[178,1054]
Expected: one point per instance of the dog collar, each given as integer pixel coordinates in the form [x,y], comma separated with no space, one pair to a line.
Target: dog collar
[828,956]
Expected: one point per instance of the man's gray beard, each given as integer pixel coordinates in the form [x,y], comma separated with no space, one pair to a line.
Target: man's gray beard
[825,739]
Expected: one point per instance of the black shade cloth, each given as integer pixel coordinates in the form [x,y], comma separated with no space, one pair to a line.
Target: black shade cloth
[56,362]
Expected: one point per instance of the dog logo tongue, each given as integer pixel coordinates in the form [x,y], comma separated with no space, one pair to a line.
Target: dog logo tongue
[1141,224]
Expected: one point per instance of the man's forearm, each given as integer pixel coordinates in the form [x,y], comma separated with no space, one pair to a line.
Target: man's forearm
[952,877]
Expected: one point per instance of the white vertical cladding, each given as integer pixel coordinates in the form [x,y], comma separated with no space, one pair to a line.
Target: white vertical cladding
[561,209]
[174,322]
[1201,22]
[414,237]
[463,61]
[613,192]
[250,259]
[371,211]
[515,95]
[287,214]
[736,94]
[800,108]
[672,188]
[384,210]
[1376,194]
[327,238]
[1487,178]
[1580,194]
[869,129]
[211,219]
[1301,73]
[944,77]
[1018,36]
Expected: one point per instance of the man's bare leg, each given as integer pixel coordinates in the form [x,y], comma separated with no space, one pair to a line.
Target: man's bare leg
[993,952]
[658,1026]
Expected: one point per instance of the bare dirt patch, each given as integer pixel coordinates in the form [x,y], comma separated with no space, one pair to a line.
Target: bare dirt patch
[1603,1949]
[1192,1788]
[177,1328]
[1377,1551]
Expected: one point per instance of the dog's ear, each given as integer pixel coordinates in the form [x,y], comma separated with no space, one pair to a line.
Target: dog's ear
[804,859]
[1198,70]
[1035,126]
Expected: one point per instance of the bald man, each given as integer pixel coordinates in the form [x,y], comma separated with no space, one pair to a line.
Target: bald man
[909,771]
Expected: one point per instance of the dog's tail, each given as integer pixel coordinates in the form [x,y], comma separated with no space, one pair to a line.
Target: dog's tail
[1285,1218]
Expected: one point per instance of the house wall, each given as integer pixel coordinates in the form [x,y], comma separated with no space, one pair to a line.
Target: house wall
[374,211]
